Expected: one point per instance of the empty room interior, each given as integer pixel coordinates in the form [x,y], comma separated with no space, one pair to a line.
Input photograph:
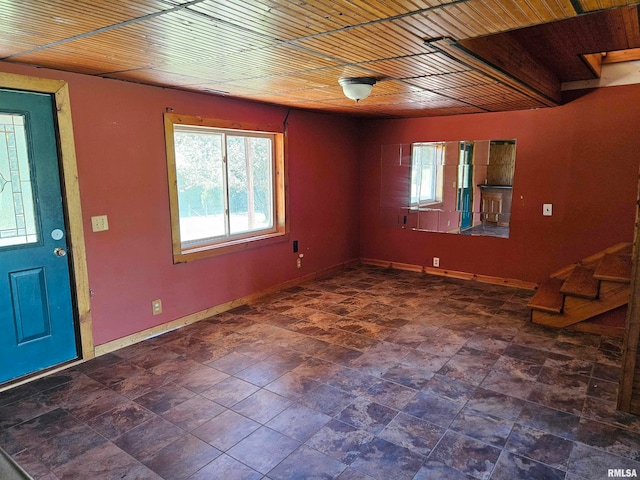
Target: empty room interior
[272,239]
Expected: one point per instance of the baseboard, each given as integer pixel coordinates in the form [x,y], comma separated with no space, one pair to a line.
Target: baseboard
[217,309]
[509,282]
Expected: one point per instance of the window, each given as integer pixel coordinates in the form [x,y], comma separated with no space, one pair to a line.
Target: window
[226,186]
[426,173]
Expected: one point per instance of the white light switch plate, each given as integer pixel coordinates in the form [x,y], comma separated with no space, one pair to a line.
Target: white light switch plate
[99,223]
[547,209]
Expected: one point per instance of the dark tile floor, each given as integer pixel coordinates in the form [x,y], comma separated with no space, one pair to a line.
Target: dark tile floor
[370,374]
[488,230]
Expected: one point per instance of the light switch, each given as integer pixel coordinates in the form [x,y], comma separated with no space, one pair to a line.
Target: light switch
[99,223]
[547,209]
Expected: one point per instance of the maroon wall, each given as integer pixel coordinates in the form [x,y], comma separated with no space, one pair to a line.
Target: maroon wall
[582,157]
[119,137]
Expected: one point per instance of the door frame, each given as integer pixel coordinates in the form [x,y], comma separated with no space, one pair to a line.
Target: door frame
[71,205]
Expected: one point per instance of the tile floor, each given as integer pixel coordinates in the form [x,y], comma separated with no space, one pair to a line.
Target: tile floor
[369,374]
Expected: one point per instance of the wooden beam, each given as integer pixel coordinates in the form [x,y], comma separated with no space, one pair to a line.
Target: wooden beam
[505,59]
[628,55]
[631,25]
[594,61]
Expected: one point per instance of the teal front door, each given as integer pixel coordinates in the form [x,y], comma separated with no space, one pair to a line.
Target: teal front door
[37,326]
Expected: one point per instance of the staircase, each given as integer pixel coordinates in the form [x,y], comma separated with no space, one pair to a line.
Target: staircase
[578,295]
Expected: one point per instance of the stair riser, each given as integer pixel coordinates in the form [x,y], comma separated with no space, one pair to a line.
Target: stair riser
[612,295]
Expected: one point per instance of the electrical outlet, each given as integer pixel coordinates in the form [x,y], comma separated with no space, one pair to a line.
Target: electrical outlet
[156,306]
[436,262]
[547,209]
[99,223]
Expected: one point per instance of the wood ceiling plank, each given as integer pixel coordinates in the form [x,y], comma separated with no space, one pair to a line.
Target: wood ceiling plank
[632,26]
[157,42]
[525,72]
[482,17]
[282,59]
[472,91]
[622,56]
[390,8]
[512,13]
[279,84]
[279,22]
[367,43]
[439,23]
[593,5]
[287,20]
[504,16]
[560,45]
[259,63]
[419,109]
[549,10]
[154,76]
[12,47]
[450,80]
[321,94]
[508,96]
[503,106]
[389,87]
[422,27]
[416,66]
[496,16]
[42,23]
[475,22]
[263,48]
[183,30]
[222,89]
[89,63]
[321,78]
[267,97]
[411,97]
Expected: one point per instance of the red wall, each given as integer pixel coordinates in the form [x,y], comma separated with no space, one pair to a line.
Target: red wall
[582,157]
[119,136]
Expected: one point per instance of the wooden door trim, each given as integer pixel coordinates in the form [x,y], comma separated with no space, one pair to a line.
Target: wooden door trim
[71,197]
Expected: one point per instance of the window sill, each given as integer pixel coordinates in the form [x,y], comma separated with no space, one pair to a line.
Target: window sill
[427,206]
[239,245]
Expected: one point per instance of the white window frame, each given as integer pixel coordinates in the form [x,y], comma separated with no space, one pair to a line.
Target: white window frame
[436,161]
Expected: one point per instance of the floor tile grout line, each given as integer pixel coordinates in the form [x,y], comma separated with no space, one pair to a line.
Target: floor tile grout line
[581,415]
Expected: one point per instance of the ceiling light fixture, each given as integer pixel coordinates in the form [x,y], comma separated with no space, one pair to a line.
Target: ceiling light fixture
[357,88]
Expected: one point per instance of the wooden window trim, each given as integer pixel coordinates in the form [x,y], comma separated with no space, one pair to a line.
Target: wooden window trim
[281,224]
